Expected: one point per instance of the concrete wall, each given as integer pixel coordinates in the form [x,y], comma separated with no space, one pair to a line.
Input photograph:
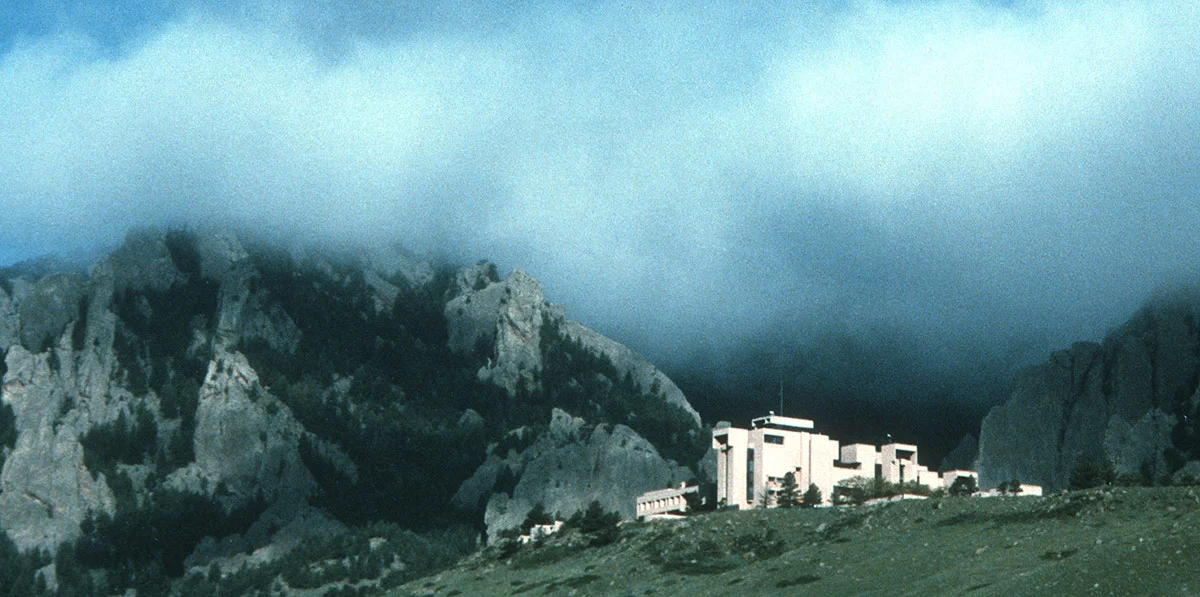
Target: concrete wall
[730,444]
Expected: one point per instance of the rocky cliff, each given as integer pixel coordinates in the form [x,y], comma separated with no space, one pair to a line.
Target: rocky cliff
[567,467]
[1130,401]
[535,353]
[255,395]
[505,318]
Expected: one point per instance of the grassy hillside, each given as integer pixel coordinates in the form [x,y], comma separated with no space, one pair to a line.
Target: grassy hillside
[1115,541]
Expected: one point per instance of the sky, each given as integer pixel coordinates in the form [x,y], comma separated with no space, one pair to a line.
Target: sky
[963,186]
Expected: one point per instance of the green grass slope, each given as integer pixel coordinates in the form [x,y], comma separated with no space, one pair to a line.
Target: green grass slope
[1116,541]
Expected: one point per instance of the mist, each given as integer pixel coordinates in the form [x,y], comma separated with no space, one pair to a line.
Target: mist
[951,190]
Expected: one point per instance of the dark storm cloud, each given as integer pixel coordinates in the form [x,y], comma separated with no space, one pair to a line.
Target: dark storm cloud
[975,179]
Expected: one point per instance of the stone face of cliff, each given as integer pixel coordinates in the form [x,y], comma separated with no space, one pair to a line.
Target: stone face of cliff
[507,319]
[45,489]
[643,372]
[1130,401]
[263,395]
[246,441]
[528,342]
[565,469]
[62,380]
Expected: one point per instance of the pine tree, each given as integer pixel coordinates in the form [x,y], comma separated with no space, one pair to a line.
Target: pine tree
[789,494]
[812,497]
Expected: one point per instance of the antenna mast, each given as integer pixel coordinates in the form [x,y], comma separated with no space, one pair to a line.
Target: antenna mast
[781,397]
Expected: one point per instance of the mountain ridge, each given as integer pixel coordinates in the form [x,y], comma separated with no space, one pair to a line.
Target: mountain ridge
[253,381]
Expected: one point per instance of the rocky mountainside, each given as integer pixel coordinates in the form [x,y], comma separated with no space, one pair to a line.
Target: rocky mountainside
[247,392]
[1130,403]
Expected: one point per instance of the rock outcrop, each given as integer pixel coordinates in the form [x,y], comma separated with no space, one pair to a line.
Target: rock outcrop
[45,489]
[391,262]
[143,262]
[246,441]
[565,469]
[10,322]
[47,306]
[1131,401]
[137,379]
[644,373]
[505,318]
[58,395]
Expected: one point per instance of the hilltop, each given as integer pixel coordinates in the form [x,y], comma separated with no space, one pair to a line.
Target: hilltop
[1108,541]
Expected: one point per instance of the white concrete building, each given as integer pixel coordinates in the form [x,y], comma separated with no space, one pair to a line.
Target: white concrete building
[751,463]
[662,502]
[541,531]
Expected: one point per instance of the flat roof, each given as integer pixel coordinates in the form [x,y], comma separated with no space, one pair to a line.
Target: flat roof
[779,422]
[669,492]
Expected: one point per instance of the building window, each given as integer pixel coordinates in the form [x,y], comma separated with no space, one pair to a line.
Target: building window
[750,475]
[773,439]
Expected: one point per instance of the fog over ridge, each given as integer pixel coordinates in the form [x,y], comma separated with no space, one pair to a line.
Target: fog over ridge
[959,183]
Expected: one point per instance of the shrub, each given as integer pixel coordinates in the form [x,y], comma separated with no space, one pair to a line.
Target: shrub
[963,486]
[1010,487]
[1092,472]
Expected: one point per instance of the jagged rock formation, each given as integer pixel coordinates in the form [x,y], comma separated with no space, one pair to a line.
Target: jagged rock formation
[565,469]
[264,396]
[507,318]
[246,440]
[143,262]
[10,322]
[1131,401]
[569,465]
[58,394]
[64,378]
[644,373]
[45,489]
[47,306]
[503,317]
